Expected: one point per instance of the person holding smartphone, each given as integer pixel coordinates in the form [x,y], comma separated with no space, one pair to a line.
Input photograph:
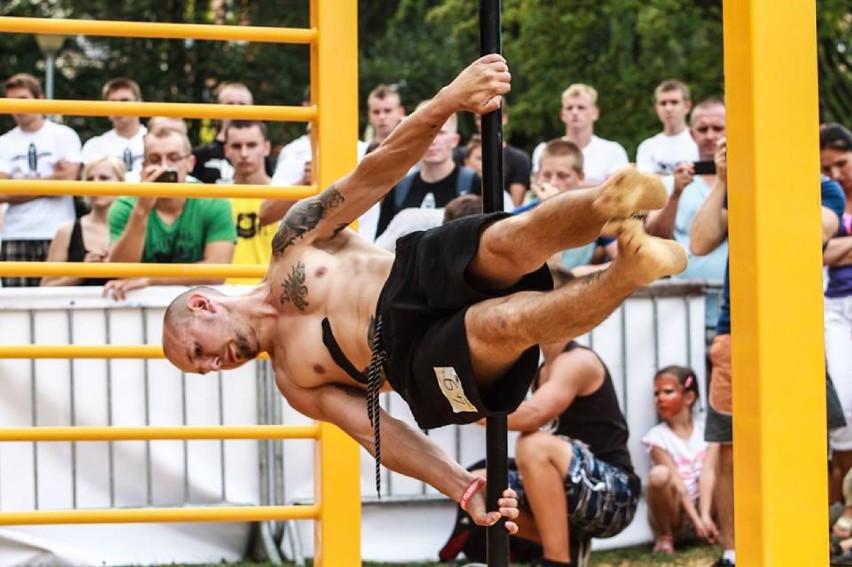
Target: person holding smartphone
[168,229]
[693,181]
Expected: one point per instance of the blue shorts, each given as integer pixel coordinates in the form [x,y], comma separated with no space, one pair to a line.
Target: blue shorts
[601,501]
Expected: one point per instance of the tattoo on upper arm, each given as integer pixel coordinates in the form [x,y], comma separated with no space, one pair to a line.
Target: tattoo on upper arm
[295,289]
[350,391]
[304,216]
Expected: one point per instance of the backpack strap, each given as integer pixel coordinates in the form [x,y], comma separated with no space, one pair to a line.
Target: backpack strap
[402,188]
[464,182]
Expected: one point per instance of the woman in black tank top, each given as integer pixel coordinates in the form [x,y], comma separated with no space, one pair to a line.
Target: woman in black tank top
[87,238]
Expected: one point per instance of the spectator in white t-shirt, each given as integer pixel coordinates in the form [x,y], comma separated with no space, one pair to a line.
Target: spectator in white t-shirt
[679,491]
[579,113]
[662,152]
[124,140]
[35,149]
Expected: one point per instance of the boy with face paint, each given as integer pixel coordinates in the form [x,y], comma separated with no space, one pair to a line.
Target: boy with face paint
[676,488]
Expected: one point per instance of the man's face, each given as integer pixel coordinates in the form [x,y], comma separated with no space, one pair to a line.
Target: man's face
[559,172]
[169,152]
[246,149]
[384,115]
[22,120]
[122,95]
[578,112]
[441,149]
[235,96]
[672,108]
[837,164]
[210,341]
[708,127]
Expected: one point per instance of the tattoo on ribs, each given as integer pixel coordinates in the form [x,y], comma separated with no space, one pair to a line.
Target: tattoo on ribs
[304,217]
[295,290]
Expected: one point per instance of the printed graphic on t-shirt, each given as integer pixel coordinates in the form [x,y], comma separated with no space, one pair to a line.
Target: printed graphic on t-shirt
[32,158]
[451,387]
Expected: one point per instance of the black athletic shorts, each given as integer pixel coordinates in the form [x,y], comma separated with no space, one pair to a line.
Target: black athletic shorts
[423,306]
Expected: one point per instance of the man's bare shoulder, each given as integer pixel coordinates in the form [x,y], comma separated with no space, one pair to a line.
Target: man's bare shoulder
[300,224]
[581,367]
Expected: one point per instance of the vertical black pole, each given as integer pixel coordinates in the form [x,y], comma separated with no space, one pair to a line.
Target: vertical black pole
[492,200]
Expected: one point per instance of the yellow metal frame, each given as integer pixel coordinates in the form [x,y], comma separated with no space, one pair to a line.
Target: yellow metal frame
[332,37]
[776,286]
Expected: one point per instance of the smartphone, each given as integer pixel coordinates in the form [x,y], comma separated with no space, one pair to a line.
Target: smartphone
[704,167]
[168,176]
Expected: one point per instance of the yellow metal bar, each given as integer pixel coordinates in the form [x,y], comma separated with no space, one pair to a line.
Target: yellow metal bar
[337,470]
[81,351]
[126,270]
[120,516]
[176,109]
[85,351]
[159,30]
[95,433]
[334,89]
[43,187]
[777,313]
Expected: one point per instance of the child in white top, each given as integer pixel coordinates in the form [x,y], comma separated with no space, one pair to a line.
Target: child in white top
[678,451]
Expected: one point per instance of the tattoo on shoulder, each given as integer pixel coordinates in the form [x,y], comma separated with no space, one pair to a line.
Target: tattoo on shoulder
[304,217]
[295,290]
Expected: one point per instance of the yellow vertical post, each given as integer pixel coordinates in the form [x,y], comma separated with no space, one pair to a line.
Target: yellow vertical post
[334,133]
[774,227]
[337,473]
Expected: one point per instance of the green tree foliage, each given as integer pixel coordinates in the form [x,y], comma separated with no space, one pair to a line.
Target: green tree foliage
[834,22]
[624,48]
[167,70]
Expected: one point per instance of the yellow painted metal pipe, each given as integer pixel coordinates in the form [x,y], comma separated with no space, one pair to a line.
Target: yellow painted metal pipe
[44,187]
[176,109]
[111,28]
[128,270]
[85,351]
[81,351]
[97,433]
[128,515]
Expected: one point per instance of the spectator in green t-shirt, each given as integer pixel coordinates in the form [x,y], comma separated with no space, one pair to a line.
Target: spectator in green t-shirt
[166,229]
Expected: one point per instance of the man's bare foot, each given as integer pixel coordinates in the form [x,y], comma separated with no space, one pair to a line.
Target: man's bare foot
[643,259]
[628,191]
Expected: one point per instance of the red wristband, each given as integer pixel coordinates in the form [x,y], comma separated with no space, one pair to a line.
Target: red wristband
[474,485]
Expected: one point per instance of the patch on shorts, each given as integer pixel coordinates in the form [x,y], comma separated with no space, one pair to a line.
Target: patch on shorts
[451,387]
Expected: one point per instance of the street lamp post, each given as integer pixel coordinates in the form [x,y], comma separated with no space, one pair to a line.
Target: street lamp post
[50,44]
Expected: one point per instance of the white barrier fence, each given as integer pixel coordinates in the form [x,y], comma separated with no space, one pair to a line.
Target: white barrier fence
[660,325]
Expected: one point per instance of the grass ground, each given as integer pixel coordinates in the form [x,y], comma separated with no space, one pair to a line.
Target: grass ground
[637,556]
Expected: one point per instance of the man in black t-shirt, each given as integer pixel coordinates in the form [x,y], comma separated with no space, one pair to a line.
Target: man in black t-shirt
[211,165]
[438,181]
[517,165]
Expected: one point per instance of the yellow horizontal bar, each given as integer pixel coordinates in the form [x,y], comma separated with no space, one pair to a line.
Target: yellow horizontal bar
[93,433]
[44,187]
[128,270]
[133,515]
[176,109]
[112,28]
[85,351]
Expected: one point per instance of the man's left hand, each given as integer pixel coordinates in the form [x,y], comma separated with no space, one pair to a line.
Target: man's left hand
[481,86]
[508,509]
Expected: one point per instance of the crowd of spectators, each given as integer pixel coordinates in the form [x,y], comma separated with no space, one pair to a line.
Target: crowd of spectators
[687,493]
